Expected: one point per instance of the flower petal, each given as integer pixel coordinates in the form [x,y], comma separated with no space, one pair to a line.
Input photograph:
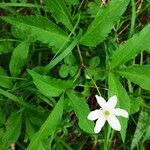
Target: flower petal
[93,115]
[120,112]
[112,101]
[101,101]
[99,124]
[114,122]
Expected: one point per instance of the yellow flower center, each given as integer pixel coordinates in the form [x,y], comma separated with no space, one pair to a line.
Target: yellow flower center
[106,113]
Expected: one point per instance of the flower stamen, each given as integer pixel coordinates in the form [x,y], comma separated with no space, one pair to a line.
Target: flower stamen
[106,113]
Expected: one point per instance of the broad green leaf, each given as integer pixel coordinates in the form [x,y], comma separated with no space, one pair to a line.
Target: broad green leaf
[115,88]
[5,81]
[13,129]
[50,86]
[59,10]
[49,125]
[39,28]
[104,22]
[19,58]
[131,47]
[141,129]
[138,74]
[81,110]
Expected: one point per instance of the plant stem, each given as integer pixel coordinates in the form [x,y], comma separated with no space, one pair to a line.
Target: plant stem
[133,18]
[96,87]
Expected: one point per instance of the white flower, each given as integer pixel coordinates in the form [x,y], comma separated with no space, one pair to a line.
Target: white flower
[107,112]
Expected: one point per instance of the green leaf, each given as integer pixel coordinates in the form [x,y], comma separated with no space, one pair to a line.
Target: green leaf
[95,73]
[5,47]
[115,88]
[94,61]
[70,59]
[62,55]
[19,58]
[50,86]
[73,70]
[141,129]
[64,71]
[30,131]
[49,125]
[40,29]
[138,74]
[2,117]
[81,110]
[104,22]
[134,104]
[5,81]
[131,48]
[13,129]
[93,8]
[59,10]
[16,99]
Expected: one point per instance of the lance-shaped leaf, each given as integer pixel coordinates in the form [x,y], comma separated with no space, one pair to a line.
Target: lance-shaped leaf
[13,129]
[142,128]
[104,22]
[5,81]
[39,28]
[115,88]
[19,58]
[49,86]
[138,74]
[59,10]
[49,125]
[131,48]
[81,110]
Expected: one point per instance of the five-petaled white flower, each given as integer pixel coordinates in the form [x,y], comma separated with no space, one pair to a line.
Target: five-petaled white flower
[107,112]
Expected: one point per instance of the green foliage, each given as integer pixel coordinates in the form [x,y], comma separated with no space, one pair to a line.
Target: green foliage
[131,47]
[5,47]
[5,81]
[64,71]
[95,61]
[69,67]
[142,129]
[137,74]
[56,55]
[115,88]
[134,104]
[81,110]
[13,129]
[39,28]
[50,86]
[93,8]
[62,55]
[49,125]
[19,58]
[59,10]
[103,23]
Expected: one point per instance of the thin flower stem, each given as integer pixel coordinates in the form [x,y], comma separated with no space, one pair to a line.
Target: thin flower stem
[141,62]
[96,87]
[80,56]
[107,137]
